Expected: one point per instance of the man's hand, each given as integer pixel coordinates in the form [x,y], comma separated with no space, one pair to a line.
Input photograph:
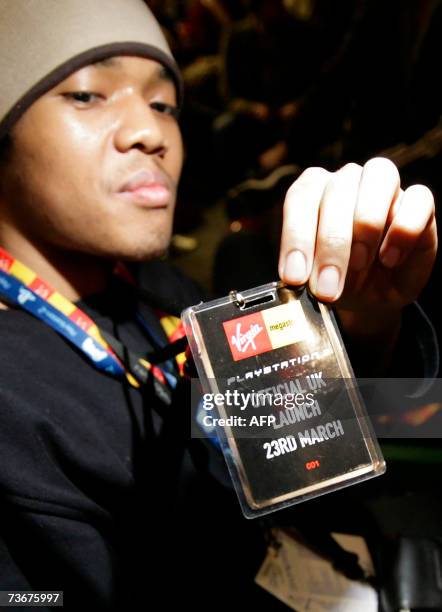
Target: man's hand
[361,242]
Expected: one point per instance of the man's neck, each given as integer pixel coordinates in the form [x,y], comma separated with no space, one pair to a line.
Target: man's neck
[74,275]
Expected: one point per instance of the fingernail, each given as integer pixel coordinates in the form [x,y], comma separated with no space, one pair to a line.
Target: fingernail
[391,257]
[358,257]
[295,269]
[328,282]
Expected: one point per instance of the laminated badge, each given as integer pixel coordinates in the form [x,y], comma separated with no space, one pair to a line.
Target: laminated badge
[289,417]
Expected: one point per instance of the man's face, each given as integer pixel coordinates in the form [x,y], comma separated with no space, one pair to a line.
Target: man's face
[96,161]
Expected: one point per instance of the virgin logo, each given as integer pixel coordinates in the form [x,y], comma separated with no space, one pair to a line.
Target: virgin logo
[243,341]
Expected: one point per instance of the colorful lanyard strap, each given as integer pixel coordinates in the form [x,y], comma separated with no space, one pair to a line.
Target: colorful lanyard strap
[21,287]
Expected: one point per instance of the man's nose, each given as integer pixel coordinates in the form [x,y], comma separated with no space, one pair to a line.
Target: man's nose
[140,128]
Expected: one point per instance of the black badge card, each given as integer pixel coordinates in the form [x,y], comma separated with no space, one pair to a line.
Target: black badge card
[281,395]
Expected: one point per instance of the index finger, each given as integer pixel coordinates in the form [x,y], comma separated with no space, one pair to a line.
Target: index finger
[300,222]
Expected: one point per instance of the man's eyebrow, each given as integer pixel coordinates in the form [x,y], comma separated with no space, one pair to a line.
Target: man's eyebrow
[163,73]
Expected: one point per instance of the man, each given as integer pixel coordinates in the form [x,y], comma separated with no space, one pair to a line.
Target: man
[97,498]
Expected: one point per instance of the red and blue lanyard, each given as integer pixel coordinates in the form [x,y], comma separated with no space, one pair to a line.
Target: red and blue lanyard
[21,287]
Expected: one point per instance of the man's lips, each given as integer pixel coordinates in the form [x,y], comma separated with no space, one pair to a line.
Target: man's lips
[148,187]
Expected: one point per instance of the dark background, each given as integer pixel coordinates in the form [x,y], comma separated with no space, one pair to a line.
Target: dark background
[355,79]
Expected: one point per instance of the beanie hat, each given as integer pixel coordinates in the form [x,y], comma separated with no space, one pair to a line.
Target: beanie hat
[42,42]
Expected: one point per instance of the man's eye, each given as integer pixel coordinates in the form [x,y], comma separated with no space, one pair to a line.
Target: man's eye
[166,109]
[84,97]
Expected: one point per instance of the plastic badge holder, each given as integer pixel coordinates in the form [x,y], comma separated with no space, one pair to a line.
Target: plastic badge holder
[280,390]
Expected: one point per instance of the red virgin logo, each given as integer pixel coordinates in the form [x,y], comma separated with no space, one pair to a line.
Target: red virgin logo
[243,341]
[247,336]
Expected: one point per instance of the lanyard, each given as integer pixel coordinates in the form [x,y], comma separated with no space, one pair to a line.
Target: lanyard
[20,286]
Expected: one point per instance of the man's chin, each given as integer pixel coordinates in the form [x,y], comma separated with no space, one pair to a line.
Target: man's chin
[139,253]
[129,246]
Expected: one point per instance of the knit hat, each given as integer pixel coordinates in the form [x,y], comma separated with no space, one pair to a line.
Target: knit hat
[42,42]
